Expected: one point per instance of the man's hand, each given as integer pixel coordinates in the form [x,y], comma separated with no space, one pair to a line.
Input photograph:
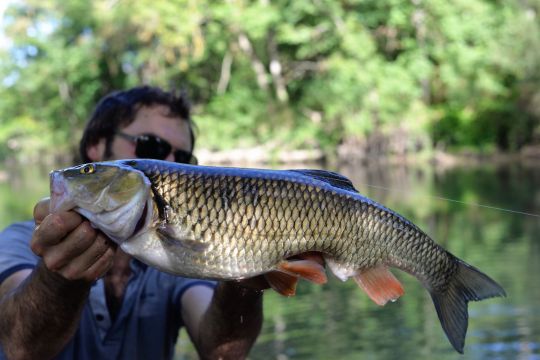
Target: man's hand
[40,311]
[69,246]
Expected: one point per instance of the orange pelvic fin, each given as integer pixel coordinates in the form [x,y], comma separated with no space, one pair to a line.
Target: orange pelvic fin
[380,284]
[284,284]
[307,269]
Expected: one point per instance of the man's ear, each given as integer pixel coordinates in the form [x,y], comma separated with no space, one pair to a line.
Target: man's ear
[96,152]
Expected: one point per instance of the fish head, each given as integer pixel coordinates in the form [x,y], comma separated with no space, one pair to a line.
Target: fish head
[112,196]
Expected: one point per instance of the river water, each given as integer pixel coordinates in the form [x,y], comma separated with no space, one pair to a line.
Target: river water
[338,321]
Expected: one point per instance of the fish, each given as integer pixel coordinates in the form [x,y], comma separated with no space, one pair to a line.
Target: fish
[235,223]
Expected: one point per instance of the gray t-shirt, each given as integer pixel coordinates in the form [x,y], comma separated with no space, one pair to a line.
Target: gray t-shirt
[147,324]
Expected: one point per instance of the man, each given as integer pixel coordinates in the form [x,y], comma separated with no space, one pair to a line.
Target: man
[79,297]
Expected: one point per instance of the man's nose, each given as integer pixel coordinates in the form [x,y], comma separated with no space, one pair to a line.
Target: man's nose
[170,157]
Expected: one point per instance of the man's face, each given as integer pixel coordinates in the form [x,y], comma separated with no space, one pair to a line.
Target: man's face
[148,120]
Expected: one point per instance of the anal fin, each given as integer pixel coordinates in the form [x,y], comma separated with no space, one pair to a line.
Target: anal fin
[380,284]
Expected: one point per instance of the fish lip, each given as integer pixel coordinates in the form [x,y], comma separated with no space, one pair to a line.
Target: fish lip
[59,194]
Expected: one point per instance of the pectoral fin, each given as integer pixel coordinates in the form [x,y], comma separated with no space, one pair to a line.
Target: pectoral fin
[168,234]
[380,284]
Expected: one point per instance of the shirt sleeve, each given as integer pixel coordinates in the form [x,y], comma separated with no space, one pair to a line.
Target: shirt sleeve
[15,252]
[183,284]
[186,284]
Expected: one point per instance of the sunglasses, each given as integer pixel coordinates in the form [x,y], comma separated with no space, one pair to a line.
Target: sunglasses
[148,146]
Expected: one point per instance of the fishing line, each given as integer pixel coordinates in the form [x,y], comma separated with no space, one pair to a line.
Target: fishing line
[459,201]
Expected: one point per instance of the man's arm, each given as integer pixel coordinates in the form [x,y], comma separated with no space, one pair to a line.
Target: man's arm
[36,321]
[225,322]
[40,311]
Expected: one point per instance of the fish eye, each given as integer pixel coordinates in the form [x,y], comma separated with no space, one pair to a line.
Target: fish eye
[88,169]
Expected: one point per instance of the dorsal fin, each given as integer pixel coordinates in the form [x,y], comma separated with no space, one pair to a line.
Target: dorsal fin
[329,177]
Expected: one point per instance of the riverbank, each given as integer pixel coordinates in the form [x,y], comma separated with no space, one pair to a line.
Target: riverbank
[264,156]
[260,156]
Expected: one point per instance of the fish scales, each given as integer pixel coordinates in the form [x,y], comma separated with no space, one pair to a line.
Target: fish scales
[227,223]
[279,222]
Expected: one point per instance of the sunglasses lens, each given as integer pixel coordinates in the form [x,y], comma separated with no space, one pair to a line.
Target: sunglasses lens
[184,157]
[152,147]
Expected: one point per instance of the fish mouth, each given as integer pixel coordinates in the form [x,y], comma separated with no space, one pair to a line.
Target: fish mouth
[60,200]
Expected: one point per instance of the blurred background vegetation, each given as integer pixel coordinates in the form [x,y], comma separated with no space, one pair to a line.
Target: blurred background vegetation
[362,76]
[350,78]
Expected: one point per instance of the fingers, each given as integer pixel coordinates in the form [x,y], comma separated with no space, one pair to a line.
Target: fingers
[70,246]
[92,263]
[101,266]
[261,282]
[41,210]
[311,255]
[53,229]
[256,283]
[75,243]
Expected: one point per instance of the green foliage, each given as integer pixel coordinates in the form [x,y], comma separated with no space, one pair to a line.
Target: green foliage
[294,73]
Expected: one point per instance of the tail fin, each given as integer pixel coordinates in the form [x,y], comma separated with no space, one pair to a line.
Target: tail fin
[467,284]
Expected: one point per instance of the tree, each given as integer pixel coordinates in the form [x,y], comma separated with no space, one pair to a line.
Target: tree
[399,75]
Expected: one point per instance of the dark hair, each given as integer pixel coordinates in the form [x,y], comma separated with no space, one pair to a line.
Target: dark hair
[119,109]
